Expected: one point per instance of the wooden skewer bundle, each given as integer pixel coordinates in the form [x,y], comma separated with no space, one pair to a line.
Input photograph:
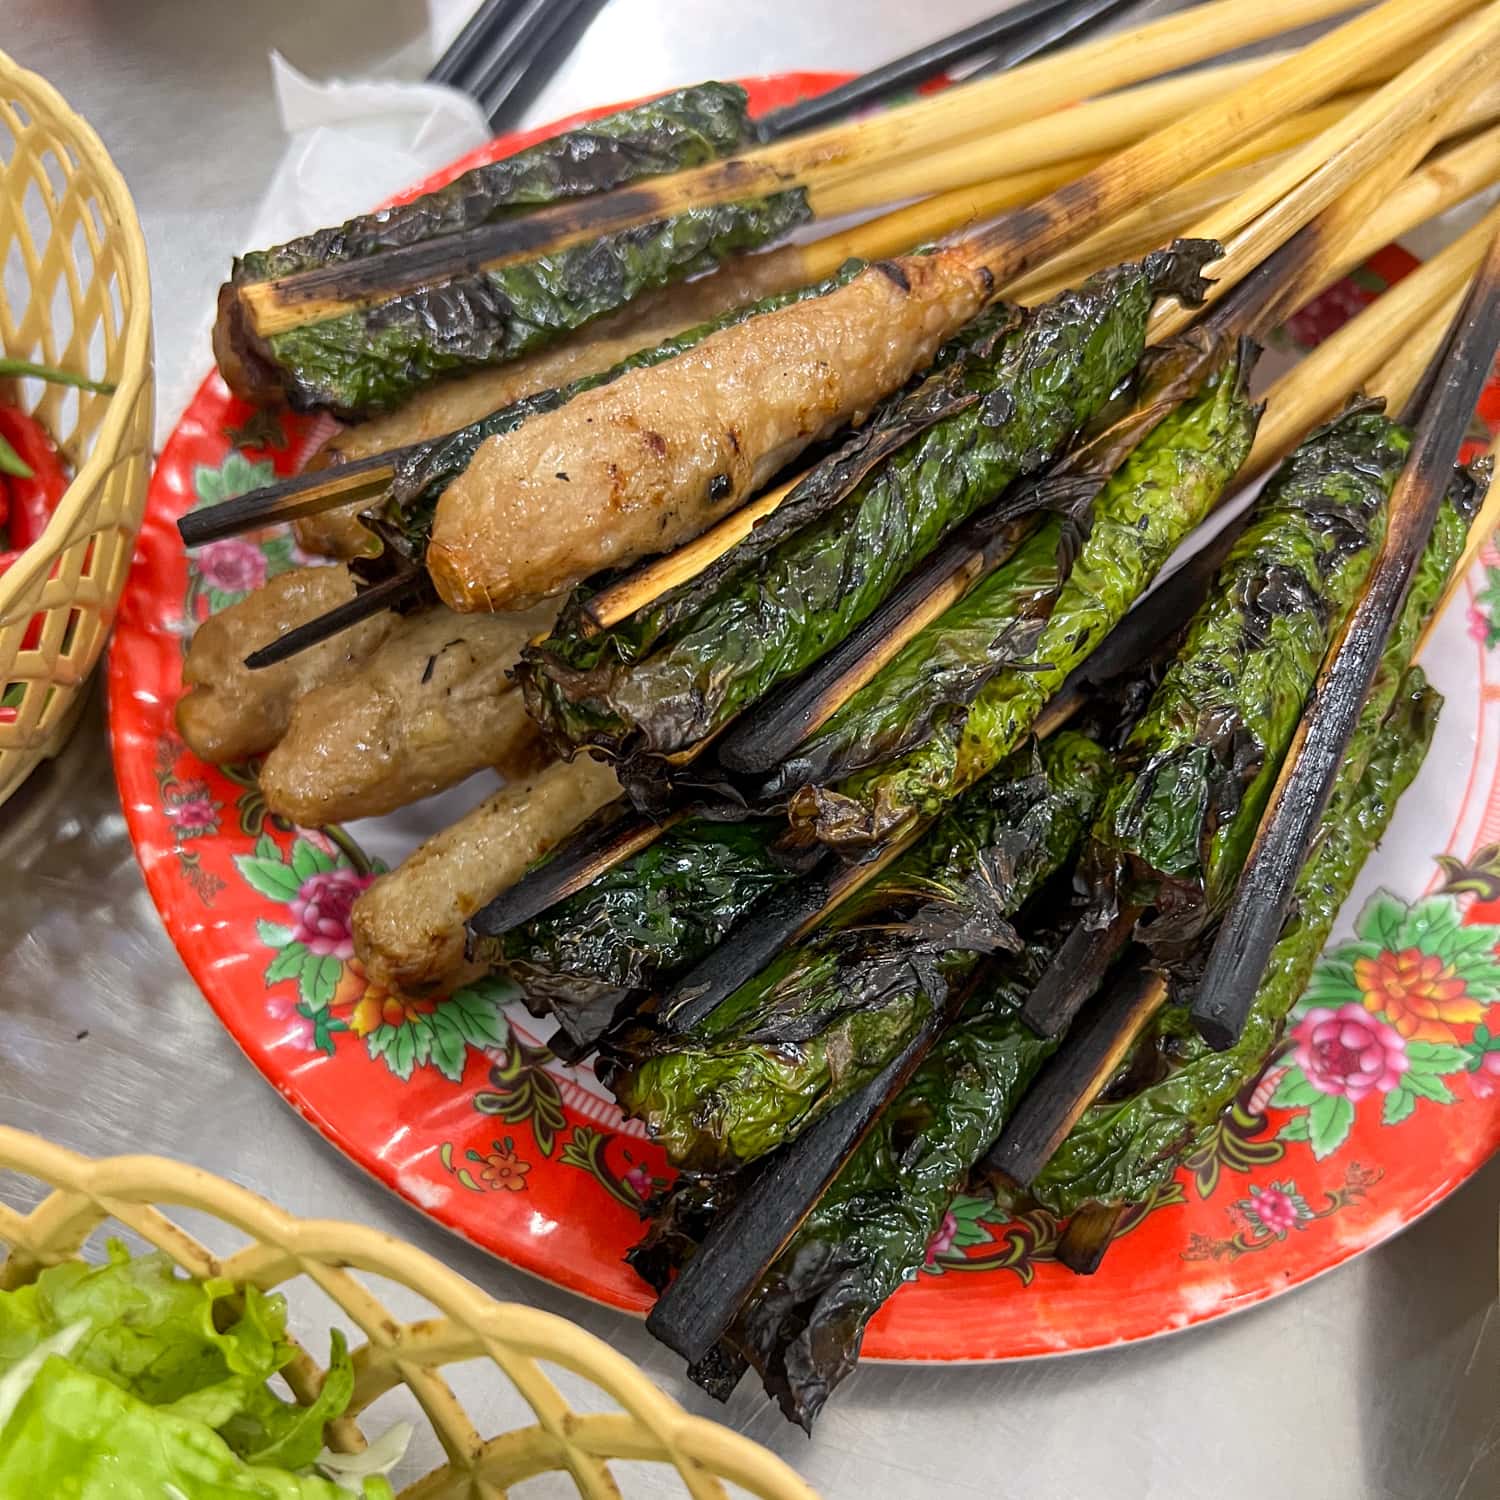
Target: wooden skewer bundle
[823,161]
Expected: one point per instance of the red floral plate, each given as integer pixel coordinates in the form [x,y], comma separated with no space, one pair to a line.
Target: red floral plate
[458,1105]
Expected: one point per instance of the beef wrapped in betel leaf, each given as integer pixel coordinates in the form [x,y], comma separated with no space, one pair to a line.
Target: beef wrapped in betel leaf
[803,1325]
[660,685]
[682,129]
[1195,774]
[640,924]
[962,693]
[367,359]
[1122,1149]
[829,1014]
[1130,1143]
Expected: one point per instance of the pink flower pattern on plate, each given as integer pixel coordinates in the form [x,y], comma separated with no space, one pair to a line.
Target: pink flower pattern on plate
[1350,1052]
[233,566]
[321,910]
[1479,626]
[1484,1081]
[942,1239]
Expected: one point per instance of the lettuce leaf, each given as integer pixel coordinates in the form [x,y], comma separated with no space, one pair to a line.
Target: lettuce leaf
[199,1350]
[75,1433]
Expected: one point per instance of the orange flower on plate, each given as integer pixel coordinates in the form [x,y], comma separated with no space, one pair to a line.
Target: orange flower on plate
[1418,993]
[365,1006]
[504,1169]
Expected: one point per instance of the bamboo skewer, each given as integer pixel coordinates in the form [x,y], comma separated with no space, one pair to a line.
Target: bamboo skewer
[773,728]
[697,1308]
[581,859]
[1072,1078]
[826,157]
[1441,182]
[1087,1239]
[1076,972]
[782,919]
[405,587]
[1385,334]
[1258,906]
[1399,119]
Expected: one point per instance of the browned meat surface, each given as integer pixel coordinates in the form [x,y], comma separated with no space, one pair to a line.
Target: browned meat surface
[645,463]
[455,403]
[230,712]
[432,706]
[409,925]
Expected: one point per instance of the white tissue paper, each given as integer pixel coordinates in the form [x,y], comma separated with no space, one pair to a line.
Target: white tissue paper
[355,144]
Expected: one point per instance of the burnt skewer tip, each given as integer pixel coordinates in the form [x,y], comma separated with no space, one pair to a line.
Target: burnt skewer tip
[304,494]
[406,586]
[1073,1077]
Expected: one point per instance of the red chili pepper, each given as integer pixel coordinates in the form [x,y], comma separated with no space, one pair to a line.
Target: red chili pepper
[29,502]
[33,500]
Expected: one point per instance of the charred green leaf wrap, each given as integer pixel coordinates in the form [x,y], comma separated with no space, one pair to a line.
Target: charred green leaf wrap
[369,360]
[826,1016]
[641,923]
[1009,405]
[424,471]
[679,130]
[1199,765]
[965,690]
[1122,1149]
[803,1326]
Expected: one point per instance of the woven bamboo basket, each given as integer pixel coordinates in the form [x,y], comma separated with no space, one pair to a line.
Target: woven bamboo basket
[82,1195]
[73,293]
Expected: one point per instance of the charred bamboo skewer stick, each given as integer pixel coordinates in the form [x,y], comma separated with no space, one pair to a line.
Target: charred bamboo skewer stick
[1086,1240]
[405,587]
[580,860]
[1071,1078]
[1086,956]
[820,158]
[1040,24]
[1258,906]
[1396,124]
[773,728]
[694,1312]
[784,918]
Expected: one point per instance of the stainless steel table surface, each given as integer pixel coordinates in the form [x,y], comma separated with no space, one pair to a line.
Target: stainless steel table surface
[1380,1381]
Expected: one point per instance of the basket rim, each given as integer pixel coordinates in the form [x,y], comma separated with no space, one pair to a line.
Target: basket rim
[135,346]
[162,1181]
